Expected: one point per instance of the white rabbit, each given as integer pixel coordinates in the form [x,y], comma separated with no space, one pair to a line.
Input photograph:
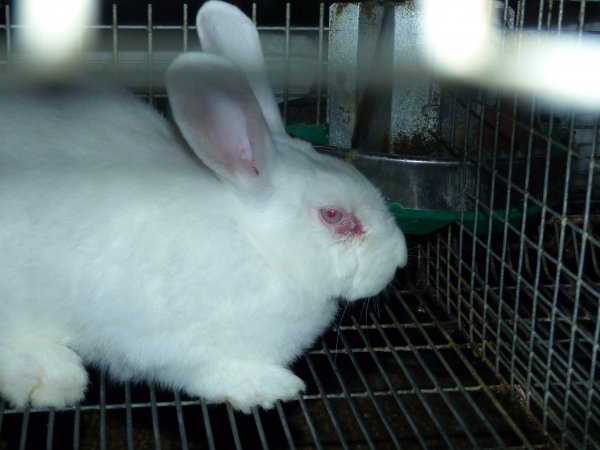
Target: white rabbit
[206,265]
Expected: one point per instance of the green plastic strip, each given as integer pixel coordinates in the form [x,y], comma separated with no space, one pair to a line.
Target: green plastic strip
[422,222]
[315,134]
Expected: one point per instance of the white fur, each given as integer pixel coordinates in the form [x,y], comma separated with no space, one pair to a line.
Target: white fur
[119,247]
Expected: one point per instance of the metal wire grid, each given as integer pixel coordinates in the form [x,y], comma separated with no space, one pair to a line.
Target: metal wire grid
[394,374]
[138,54]
[528,295]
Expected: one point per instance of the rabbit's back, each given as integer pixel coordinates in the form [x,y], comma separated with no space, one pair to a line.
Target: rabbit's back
[82,125]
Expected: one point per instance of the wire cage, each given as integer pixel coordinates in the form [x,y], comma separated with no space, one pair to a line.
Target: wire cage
[489,339]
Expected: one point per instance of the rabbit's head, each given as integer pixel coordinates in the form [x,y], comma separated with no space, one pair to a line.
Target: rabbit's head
[311,217]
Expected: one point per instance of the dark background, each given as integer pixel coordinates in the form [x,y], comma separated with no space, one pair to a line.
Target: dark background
[305,12]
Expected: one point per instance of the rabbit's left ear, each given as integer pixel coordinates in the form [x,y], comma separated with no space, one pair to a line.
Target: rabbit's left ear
[226,31]
[220,119]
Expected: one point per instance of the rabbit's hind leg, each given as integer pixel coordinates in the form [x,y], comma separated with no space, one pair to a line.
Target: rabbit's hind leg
[41,372]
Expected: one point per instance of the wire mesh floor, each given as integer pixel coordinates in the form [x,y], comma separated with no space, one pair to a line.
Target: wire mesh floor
[396,373]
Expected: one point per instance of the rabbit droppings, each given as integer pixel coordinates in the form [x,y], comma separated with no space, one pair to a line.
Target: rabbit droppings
[204,258]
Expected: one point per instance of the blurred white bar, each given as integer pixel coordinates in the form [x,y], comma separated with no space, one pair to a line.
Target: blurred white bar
[53,34]
[462,43]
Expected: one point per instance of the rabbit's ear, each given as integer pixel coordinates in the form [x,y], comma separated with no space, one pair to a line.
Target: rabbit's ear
[220,119]
[224,30]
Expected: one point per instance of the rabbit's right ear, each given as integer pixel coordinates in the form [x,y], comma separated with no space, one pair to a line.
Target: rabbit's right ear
[220,119]
[224,30]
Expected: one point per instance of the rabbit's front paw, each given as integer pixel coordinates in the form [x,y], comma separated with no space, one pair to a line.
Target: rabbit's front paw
[265,388]
[41,372]
[245,385]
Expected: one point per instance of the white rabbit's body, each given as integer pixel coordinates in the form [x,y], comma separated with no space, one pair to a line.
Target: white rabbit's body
[119,247]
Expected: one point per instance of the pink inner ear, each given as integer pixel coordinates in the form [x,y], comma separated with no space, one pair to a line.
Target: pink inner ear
[230,134]
[220,119]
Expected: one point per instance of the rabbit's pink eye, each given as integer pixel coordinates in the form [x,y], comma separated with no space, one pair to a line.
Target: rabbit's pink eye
[342,221]
[331,215]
